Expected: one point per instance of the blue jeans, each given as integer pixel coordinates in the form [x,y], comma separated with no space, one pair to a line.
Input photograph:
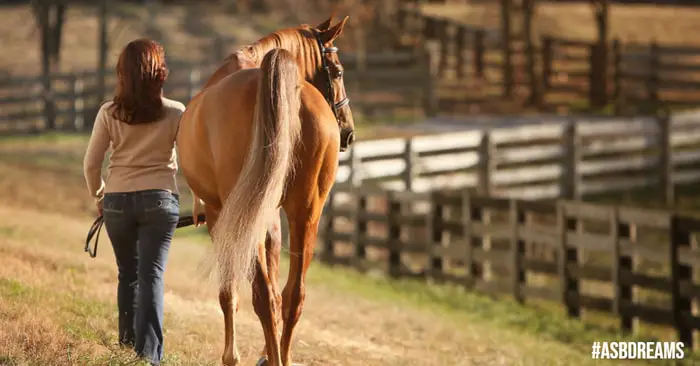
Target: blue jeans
[140,226]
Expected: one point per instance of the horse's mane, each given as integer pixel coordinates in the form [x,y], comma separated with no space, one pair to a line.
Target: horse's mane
[300,41]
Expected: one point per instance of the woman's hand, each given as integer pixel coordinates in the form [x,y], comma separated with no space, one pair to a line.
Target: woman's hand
[197,209]
[98,203]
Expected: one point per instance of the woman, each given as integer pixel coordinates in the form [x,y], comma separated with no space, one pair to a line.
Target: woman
[139,199]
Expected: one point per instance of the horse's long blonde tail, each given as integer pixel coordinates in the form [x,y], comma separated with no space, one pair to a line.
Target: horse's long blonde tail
[256,197]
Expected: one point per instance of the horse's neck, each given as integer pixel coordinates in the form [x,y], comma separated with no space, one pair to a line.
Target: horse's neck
[246,57]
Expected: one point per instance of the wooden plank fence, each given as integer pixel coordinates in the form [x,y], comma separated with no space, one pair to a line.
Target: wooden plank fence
[571,159]
[391,85]
[570,74]
[644,266]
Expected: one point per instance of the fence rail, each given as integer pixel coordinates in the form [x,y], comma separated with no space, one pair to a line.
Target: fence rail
[391,84]
[640,265]
[571,159]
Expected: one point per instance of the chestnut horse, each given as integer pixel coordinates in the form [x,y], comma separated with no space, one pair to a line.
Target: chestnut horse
[263,134]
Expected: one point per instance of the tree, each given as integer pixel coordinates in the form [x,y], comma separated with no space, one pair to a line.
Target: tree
[104,48]
[50,17]
[529,11]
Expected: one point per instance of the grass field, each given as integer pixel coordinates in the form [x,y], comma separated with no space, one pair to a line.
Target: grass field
[57,305]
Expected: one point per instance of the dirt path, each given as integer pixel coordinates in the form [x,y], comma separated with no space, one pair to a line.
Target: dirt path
[44,250]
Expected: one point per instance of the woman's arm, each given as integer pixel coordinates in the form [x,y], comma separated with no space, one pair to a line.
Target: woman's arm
[94,156]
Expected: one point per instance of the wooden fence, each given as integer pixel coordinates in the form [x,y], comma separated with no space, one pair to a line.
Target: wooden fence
[391,85]
[556,73]
[570,159]
[644,268]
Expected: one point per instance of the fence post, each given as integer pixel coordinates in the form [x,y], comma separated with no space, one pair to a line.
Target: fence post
[429,27]
[360,229]
[547,61]
[460,45]
[621,264]
[410,159]
[329,232]
[443,32]
[78,105]
[570,294]
[517,250]
[665,168]
[466,216]
[479,52]
[507,48]
[653,80]
[434,233]
[485,167]
[430,101]
[49,102]
[401,16]
[597,89]
[219,53]
[569,186]
[354,179]
[617,76]
[682,304]
[194,81]
[394,234]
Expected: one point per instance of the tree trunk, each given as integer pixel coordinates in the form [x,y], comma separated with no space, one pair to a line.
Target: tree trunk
[506,37]
[57,34]
[42,14]
[536,97]
[103,50]
[599,62]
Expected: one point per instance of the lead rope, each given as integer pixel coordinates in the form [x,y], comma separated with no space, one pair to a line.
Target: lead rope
[96,228]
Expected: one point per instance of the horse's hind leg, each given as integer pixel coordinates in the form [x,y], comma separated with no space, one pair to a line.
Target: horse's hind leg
[273,247]
[302,234]
[264,303]
[229,306]
[228,300]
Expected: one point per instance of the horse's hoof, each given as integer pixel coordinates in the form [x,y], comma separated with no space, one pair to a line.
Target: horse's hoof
[263,362]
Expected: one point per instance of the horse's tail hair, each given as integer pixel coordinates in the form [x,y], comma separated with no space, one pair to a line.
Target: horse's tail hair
[256,197]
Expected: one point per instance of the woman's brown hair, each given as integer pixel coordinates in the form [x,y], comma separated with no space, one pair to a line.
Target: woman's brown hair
[141,73]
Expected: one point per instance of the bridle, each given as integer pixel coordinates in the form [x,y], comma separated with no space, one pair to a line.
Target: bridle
[329,81]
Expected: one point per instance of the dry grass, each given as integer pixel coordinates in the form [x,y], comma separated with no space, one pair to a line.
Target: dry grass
[666,24]
[57,305]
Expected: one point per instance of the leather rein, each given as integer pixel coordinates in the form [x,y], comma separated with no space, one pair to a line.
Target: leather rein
[329,80]
[96,227]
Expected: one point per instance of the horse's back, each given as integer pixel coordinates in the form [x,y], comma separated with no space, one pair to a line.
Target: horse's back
[215,133]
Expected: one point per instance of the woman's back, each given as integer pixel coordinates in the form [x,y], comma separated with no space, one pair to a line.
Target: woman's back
[143,155]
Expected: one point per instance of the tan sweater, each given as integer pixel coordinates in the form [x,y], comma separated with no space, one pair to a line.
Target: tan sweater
[143,155]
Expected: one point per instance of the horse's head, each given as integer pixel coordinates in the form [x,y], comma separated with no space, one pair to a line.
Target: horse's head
[330,79]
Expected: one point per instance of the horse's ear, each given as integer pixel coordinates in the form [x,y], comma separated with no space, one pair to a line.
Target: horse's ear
[331,34]
[326,24]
